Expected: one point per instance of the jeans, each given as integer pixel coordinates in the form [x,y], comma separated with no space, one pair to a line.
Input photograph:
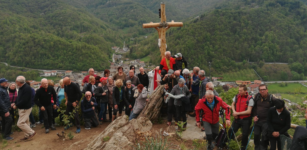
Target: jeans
[12,113]
[23,121]
[244,125]
[7,123]
[110,108]
[128,110]
[181,114]
[103,111]
[261,132]
[32,120]
[133,116]
[171,110]
[71,108]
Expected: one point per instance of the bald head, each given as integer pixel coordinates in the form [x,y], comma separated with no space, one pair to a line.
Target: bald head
[66,81]
[131,73]
[44,83]
[88,95]
[141,70]
[177,73]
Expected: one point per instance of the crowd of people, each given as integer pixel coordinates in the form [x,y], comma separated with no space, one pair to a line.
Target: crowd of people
[185,94]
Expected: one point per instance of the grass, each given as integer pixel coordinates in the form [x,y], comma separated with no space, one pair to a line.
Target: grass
[291,88]
[145,59]
[54,78]
[245,75]
[296,98]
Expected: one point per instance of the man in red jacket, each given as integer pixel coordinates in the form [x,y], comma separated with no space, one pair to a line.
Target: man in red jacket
[242,108]
[210,105]
[167,63]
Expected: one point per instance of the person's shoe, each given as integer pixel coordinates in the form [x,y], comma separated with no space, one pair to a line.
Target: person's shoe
[9,138]
[47,130]
[184,127]
[24,139]
[53,128]
[87,128]
[11,133]
[78,130]
[31,136]
[38,122]
[32,125]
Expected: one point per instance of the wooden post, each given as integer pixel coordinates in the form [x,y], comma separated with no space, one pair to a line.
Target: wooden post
[162,27]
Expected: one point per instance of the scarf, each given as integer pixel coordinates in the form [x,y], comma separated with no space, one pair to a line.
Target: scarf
[12,91]
[168,63]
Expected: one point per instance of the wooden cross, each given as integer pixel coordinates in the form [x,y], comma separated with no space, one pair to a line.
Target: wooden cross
[162,27]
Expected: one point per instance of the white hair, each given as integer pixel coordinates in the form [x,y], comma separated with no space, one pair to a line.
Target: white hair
[182,81]
[44,79]
[185,71]
[21,79]
[210,85]
[202,73]
[90,69]
[167,52]
[110,78]
[88,92]
[196,68]
[209,92]
[128,81]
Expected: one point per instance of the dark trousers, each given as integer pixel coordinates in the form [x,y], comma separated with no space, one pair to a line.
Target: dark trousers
[7,123]
[12,113]
[193,101]
[71,108]
[119,109]
[55,114]
[32,120]
[40,116]
[244,125]
[180,114]
[48,116]
[171,110]
[128,110]
[273,142]
[261,132]
[110,108]
[103,111]
[91,121]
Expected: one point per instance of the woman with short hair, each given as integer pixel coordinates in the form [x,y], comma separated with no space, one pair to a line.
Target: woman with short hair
[119,99]
[129,93]
[110,94]
[13,93]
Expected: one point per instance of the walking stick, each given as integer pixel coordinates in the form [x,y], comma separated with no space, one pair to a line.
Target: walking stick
[250,137]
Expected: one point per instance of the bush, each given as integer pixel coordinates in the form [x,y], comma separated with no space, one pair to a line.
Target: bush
[153,143]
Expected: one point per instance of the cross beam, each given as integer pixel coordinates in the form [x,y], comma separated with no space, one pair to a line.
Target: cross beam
[162,27]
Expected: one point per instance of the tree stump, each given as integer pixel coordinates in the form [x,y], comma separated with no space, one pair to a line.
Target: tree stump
[122,133]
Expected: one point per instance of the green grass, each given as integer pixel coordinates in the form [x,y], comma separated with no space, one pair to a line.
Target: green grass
[294,97]
[245,75]
[54,78]
[291,88]
[146,59]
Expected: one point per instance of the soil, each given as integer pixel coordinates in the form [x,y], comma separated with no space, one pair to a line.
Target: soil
[50,141]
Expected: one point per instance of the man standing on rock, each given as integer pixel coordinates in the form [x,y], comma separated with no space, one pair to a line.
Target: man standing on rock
[167,63]
[5,105]
[73,96]
[143,77]
[43,101]
[91,72]
[181,63]
[23,103]
[263,102]
[242,108]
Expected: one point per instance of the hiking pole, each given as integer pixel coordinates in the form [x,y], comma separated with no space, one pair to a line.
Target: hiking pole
[249,137]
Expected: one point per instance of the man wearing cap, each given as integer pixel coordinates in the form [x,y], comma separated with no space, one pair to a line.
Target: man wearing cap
[5,105]
[181,63]
[167,63]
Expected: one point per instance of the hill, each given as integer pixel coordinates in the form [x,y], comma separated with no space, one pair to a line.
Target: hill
[53,35]
[238,31]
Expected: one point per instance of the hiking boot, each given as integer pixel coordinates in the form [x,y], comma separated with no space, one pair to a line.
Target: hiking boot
[53,128]
[9,138]
[47,131]
[78,130]
[24,139]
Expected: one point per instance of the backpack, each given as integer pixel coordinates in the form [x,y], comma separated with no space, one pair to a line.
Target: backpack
[257,97]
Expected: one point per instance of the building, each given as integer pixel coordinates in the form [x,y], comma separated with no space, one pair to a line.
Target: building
[47,73]
[68,73]
[54,73]
[239,82]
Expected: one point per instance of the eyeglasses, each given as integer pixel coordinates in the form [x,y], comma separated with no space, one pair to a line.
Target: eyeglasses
[262,89]
[88,96]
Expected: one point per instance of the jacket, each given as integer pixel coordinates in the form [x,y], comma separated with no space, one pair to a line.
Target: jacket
[86,107]
[24,97]
[5,103]
[116,96]
[181,64]
[43,97]
[140,102]
[170,81]
[89,88]
[98,94]
[172,63]
[130,100]
[110,87]
[211,116]
[280,123]
[202,87]
[241,104]
[144,79]
[262,106]
[176,91]
[134,80]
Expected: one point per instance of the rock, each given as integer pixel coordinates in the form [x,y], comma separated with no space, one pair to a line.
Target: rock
[192,132]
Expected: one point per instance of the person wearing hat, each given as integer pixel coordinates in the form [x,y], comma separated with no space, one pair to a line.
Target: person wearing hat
[170,79]
[181,63]
[5,105]
[101,92]
[279,122]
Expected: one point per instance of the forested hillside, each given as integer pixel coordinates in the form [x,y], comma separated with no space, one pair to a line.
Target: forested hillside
[53,35]
[271,31]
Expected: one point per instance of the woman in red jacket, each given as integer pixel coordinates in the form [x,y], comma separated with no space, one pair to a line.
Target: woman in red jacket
[210,106]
